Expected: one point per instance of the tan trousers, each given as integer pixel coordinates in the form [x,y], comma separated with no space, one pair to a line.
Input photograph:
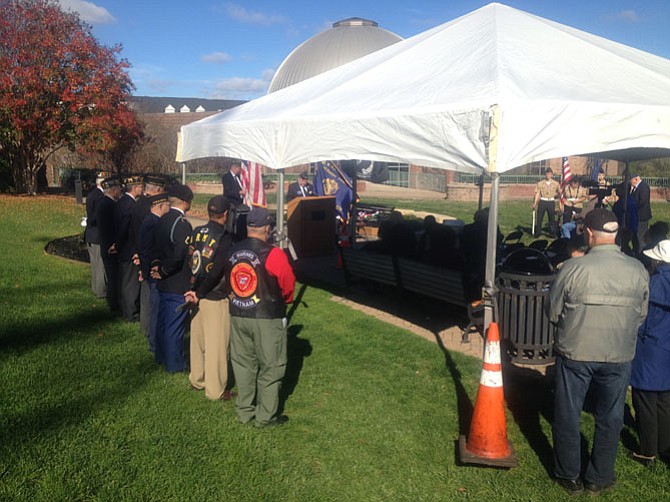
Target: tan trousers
[210,335]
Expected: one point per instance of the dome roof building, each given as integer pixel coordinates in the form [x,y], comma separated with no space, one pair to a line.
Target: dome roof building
[347,40]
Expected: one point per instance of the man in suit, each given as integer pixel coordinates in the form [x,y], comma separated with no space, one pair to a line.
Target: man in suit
[104,214]
[641,194]
[92,237]
[173,273]
[300,188]
[233,188]
[126,247]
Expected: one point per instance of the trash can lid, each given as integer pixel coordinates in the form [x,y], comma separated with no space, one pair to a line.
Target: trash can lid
[527,261]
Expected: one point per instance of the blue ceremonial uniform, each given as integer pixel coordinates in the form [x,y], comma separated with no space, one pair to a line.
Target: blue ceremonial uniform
[173,235]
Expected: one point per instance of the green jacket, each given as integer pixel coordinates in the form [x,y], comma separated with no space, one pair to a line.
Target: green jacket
[598,302]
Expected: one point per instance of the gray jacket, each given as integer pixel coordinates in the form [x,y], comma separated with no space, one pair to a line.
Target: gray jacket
[598,302]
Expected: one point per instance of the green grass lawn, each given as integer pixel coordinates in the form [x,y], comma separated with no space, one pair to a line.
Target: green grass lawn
[375,411]
[512,214]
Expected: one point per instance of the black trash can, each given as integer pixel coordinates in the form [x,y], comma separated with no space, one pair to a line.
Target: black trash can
[523,291]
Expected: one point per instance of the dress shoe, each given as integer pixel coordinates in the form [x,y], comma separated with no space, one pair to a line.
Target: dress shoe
[228,395]
[572,486]
[275,422]
[596,489]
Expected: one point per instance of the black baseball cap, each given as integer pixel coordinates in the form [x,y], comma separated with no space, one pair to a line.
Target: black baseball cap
[218,204]
[258,217]
[601,220]
[181,192]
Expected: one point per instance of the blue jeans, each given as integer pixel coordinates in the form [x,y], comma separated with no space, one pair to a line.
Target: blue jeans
[608,382]
[568,229]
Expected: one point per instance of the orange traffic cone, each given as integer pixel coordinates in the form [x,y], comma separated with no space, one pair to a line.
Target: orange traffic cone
[487,441]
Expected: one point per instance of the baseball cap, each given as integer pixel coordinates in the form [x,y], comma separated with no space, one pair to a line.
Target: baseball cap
[258,217]
[218,204]
[181,192]
[660,251]
[601,220]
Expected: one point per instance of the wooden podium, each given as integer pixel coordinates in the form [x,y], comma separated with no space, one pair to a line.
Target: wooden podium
[311,225]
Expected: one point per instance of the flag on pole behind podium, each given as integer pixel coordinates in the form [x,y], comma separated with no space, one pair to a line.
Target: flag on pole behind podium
[331,180]
[566,176]
[252,180]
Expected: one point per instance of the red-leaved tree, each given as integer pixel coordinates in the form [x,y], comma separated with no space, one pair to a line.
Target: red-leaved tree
[59,88]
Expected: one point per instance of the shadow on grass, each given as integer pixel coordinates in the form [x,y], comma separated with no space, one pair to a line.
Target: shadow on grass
[463,402]
[62,403]
[297,349]
[29,334]
[529,397]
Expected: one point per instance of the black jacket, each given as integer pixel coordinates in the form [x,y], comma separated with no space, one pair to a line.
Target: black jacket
[642,197]
[294,191]
[104,214]
[231,188]
[140,211]
[125,239]
[172,238]
[92,231]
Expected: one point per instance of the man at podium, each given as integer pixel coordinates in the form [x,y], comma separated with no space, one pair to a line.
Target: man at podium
[300,188]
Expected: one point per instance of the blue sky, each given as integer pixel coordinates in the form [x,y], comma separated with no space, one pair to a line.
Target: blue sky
[230,49]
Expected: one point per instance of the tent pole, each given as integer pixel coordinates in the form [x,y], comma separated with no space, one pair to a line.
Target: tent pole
[481,191]
[183,173]
[280,207]
[489,292]
[353,212]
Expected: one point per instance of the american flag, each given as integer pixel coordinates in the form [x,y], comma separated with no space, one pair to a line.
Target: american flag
[252,180]
[566,175]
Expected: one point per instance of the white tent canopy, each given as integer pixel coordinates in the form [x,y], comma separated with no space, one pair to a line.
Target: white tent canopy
[533,88]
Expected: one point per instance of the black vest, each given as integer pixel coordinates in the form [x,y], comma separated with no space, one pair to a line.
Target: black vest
[204,242]
[253,292]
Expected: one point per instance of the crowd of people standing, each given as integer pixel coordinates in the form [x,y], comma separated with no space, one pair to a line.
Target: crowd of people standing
[154,268]
[612,317]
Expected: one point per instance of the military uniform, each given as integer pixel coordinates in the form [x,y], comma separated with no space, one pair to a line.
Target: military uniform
[549,191]
[148,257]
[129,283]
[155,185]
[574,201]
[106,225]
[172,239]
[92,237]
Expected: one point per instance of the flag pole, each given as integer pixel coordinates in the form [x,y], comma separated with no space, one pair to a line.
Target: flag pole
[280,207]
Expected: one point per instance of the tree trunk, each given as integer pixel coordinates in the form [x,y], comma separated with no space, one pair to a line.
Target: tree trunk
[24,172]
